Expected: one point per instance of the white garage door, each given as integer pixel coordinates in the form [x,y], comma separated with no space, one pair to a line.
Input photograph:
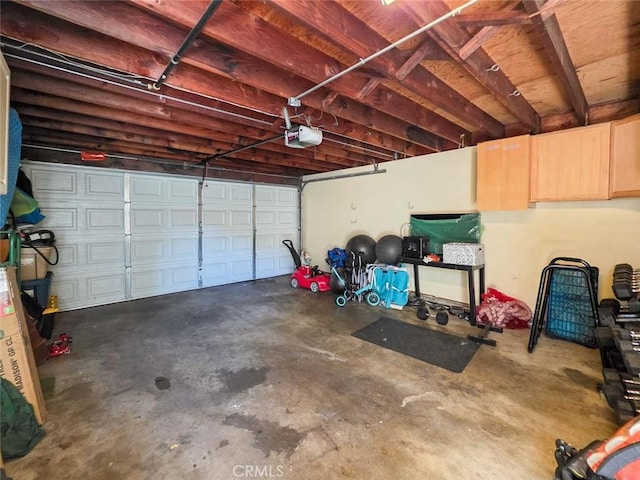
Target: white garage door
[277,219]
[128,235]
[227,233]
[84,208]
[164,234]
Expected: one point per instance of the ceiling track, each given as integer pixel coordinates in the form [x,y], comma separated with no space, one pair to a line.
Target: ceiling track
[195,31]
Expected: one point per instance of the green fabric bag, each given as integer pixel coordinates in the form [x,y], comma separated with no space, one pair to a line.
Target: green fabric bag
[19,430]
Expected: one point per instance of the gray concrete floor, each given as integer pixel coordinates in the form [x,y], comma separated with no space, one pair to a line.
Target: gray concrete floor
[266,382]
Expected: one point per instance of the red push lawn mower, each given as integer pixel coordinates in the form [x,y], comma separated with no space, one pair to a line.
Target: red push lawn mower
[306,276]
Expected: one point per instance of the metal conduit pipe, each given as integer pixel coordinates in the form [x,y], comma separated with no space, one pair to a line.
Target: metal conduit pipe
[295,101]
[135,85]
[195,31]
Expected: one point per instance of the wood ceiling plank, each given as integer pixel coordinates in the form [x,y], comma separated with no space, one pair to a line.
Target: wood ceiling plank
[426,51]
[49,32]
[38,104]
[549,32]
[362,41]
[92,142]
[477,41]
[492,19]
[478,63]
[157,139]
[295,56]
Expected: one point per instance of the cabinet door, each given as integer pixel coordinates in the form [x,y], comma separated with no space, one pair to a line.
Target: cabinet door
[625,157]
[489,176]
[516,168]
[503,174]
[571,164]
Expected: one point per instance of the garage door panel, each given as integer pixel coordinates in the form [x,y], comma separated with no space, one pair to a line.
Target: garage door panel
[213,246]
[145,189]
[273,265]
[47,181]
[214,219]
[182,191]
[146,219]
[158,250]
[276,196]
[276,218]
[183,218]
[68,255]
[144,251]
[183,248]
[183,277]
[226,193]
[101,185]
[102,285]
[59,219]
[68,292]
[237,244]
[104,219]
[229,270]
[106,253]
[171,191]
[148,281]
[75,183]
[271,242]
[225,219]
[240,194]
[79,289]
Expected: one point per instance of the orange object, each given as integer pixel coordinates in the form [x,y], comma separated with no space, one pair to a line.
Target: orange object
[93,156]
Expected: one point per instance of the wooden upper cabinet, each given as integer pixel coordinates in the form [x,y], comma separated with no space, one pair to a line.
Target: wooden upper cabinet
[625,157]
[571,164]
[503,173]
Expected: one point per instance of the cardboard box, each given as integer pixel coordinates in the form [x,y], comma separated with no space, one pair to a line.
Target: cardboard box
[32,265]
[17,363]
[463,253]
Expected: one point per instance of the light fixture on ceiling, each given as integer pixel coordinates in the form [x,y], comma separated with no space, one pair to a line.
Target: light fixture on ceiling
[387,2]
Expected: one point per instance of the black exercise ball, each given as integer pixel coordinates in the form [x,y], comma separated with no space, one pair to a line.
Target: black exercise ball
[362,244]
[389,249]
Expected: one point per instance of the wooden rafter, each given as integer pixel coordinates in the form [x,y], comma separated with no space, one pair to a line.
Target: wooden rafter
[476,41]
[428,50]
[492,19]
[298,58]
[361,41]
[451,37]
[548,30]
[194,74]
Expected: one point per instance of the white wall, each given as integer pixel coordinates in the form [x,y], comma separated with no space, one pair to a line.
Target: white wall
[518,245]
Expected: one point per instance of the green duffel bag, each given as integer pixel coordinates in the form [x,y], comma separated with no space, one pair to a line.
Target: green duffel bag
[19,430]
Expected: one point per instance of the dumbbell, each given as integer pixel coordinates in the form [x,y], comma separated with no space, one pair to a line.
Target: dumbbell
[441,316]
[628,334]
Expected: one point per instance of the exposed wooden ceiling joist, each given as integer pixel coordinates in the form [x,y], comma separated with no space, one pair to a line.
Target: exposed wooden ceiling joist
[478,63]
[82,71]
[549,32]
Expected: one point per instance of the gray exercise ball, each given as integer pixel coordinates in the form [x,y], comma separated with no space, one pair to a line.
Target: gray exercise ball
[389,249]
[362,244]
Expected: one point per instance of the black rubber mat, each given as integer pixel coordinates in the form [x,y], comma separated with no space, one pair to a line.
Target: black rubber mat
[431,346]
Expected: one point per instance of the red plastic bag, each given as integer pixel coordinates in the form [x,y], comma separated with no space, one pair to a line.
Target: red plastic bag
[504,311]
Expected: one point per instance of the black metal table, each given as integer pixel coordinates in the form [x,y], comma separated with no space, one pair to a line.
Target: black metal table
[417,262]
